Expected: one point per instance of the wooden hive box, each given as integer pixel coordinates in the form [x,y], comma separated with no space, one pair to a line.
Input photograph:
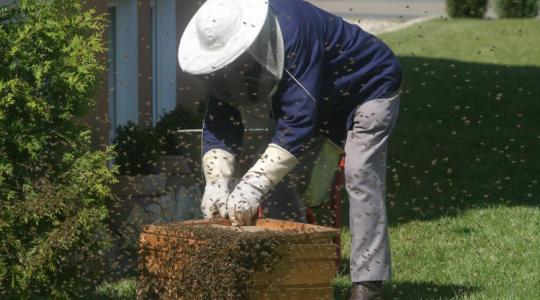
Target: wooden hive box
[304,269]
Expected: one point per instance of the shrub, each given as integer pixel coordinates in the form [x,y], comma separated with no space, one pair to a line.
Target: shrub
[52,184]
[179,118]
[466,8]
[517,8]
[137,149]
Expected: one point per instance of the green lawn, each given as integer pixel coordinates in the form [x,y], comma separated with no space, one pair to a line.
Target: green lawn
[487,253]
[121,290]
[464,165]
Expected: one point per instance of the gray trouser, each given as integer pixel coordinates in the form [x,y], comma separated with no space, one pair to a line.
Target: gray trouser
[365,180]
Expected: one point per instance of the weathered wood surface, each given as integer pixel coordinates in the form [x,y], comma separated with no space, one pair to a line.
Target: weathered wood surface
[299,230]
[305,269]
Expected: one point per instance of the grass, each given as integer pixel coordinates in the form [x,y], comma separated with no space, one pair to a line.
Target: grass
[468,130]
[116,290]
[463,182]
[487,253]
[463,185]
[512,42]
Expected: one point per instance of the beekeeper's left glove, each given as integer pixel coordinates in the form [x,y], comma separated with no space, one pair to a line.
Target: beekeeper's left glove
[243,203]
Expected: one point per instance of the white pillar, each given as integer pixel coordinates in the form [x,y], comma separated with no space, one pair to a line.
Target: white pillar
[126,62]
[164,57]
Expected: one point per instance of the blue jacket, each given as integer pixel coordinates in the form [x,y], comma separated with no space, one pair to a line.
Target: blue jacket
[339,64]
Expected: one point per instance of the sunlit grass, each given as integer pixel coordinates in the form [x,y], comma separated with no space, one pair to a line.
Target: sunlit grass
[116,290]
[512,42]
[488,253]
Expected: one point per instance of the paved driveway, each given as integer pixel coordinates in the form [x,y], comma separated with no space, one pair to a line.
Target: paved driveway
[397,10]
[383,9]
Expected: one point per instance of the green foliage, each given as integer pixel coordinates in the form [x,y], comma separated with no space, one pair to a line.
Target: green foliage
[139,146]
[179,118]
[138,149]
[52,184]
[466,8]
[517,8]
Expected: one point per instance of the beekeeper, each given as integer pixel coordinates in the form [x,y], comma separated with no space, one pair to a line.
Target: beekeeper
[313,73]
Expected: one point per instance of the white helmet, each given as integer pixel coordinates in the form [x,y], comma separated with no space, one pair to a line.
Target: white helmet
[236,48]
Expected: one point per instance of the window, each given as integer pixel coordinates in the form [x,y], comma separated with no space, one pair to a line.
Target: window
[123,63]
[163,57]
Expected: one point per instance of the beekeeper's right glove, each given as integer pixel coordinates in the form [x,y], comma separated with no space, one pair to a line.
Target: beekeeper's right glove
[218,167]
[267,172]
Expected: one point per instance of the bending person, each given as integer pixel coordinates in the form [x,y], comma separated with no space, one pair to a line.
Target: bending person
[311,72]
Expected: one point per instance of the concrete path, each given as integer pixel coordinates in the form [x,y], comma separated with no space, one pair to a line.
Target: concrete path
[379,16]
[401,10]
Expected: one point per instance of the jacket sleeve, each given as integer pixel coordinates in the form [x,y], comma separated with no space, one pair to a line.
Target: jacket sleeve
[295,107]
[222,127]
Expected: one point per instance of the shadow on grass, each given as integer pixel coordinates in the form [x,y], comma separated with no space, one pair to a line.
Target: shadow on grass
[467,137]
[415,290]
[427,290]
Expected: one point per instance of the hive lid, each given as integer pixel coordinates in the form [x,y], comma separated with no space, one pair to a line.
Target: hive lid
[299,230]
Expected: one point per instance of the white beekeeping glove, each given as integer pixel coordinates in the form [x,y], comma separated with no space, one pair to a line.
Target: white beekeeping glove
[243,203]
[218,167]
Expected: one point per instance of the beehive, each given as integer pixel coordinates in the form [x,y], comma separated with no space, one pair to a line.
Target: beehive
[304,269]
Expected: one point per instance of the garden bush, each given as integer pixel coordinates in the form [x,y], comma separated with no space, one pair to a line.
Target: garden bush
[179,118]
[517,8]
[53,185]
[138,149]
[466,8]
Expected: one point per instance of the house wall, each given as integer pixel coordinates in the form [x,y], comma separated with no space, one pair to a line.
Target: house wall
[189,92]
[98,119]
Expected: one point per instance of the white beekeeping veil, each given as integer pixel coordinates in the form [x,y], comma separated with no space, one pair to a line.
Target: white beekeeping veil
[268,48]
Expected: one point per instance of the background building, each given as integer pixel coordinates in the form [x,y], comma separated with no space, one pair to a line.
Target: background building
[143,79]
